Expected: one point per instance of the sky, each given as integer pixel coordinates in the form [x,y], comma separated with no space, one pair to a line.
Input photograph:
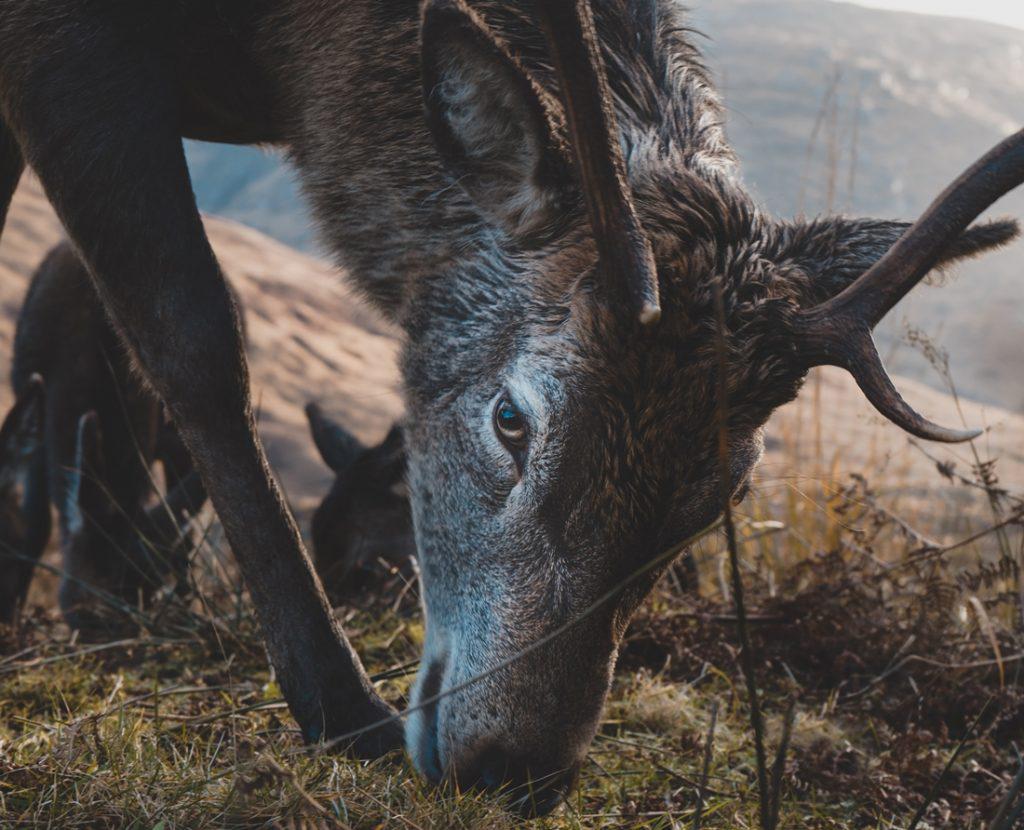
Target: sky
[1008,12]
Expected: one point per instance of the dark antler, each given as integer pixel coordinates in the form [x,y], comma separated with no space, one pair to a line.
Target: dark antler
[623,247]
[838,332]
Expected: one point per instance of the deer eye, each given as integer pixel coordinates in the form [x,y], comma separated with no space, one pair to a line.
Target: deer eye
[741,493]
[510,425]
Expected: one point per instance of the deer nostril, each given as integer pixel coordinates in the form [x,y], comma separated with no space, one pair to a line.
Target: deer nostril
[490,770]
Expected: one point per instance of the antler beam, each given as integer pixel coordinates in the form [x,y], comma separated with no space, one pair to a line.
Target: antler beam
[838,332]
[624,249]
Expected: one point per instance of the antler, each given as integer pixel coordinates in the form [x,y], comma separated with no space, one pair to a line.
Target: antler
[838,332]
[623,247]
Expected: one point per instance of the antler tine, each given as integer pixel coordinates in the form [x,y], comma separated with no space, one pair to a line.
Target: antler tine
[838,332]
[623,247]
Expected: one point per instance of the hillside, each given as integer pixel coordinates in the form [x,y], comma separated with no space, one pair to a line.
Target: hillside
[307,338]
[916,98]
[310,339]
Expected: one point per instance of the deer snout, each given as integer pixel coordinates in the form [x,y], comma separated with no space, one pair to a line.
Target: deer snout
[501,734]
[530,786]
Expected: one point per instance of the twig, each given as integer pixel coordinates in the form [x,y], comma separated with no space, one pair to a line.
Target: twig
[917,658]
[930,797]
[765,619]
[401,670]
[946,469]
[871,503]
[985,624]
[705,771]
[684,780]
[779,767]
[290,776]
[746,650]
[277,703]
[82,652]
[931,553]
[391,813]
[156,694]
[1003,820]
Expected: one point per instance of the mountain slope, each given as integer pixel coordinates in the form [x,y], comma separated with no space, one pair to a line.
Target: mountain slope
[915,99]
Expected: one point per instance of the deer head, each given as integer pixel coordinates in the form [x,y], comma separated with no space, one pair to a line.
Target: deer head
[565,378]
[363,527]
[115,552]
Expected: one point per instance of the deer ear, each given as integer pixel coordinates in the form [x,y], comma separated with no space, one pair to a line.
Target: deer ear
[21,434]
[386,462]
[823,256]
[495,128]
[338,447]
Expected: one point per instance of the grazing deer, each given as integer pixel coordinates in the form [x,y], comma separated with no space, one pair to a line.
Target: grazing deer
[24,505]
[363,526]
[542,197]
[88,444]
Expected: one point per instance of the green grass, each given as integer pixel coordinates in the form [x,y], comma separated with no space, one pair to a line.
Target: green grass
[888,649]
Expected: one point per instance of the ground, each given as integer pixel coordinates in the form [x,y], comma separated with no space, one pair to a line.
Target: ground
[894,653]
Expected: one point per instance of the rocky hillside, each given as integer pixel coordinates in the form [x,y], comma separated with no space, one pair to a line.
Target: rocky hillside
[830,105]
[310,339]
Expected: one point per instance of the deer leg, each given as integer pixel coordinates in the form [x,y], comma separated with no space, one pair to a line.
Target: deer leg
[100,128]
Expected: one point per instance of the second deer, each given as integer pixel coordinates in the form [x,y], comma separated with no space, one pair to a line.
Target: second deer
[85,435]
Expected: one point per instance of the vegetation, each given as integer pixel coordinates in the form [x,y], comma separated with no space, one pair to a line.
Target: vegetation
[885,638]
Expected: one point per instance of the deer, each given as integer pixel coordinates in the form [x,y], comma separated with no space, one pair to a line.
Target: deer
[362,529]
[361,532]
[25,522]
[84,434]
[597,318]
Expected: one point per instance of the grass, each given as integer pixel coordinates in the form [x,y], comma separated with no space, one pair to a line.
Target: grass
[890,634]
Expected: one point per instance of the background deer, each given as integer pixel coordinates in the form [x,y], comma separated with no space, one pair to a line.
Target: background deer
[88,443]
[24,503]
[362,529]
[542,197]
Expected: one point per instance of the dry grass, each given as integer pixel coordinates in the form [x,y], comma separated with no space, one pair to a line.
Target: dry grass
[892,630]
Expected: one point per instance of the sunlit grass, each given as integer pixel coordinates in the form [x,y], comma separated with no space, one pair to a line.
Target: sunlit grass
[889,648]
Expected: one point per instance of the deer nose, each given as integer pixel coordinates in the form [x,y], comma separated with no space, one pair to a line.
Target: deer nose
[531,789]
[422,732]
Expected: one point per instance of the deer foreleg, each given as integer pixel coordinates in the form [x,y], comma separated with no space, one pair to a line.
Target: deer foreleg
[100,127]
